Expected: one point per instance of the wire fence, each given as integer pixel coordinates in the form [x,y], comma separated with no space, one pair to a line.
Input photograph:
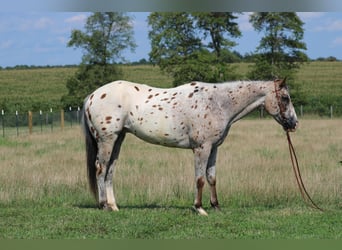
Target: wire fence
[320,111]
[25,123]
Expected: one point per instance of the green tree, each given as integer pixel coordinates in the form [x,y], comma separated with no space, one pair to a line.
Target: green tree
[105,37]
[174,43]
[180,44]
[217,25]
[280,52]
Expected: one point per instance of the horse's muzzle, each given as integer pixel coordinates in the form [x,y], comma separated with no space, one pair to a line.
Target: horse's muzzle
[290,125]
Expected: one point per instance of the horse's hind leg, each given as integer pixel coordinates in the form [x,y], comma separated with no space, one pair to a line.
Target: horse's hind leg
[106,159]
[211,178]
[103,167]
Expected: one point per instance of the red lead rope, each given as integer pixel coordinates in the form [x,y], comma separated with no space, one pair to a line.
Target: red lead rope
[304,193]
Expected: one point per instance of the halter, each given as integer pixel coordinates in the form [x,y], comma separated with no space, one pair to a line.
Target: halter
[281,106]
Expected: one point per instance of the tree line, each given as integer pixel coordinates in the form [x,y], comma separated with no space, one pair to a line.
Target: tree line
[235,57]
[188,46]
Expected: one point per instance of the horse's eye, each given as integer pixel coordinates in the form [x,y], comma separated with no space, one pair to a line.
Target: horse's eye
[285,98]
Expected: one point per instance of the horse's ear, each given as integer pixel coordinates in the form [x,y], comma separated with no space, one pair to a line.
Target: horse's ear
[282,83]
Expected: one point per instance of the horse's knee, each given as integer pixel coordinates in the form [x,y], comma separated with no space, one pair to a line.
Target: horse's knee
[200,182]
[211,180]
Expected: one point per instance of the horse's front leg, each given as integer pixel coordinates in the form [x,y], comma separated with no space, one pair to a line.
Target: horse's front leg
[201,159]
[211,178]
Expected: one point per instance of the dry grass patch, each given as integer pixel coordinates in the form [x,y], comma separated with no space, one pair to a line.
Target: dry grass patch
[253,166]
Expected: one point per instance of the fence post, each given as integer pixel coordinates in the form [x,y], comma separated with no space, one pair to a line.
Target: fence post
[30,122]
[41,120]
[78,115]
[331,112]
[62,119]
[70,109]
[301,110]
[3,122]
[17,121]
[261,112]
[51,119]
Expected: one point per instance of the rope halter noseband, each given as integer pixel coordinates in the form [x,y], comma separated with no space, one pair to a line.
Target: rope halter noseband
[282,108]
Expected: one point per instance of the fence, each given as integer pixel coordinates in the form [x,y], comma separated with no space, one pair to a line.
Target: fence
[310,111]
[23,123]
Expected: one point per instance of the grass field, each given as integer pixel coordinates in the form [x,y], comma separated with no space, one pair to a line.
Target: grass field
[44,193]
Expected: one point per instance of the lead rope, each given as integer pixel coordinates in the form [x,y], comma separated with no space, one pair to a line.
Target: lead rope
[306,197]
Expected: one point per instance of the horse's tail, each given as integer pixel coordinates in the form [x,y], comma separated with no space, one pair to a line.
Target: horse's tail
[91,153]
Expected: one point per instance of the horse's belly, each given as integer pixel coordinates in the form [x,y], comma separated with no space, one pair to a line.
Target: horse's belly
[160,134]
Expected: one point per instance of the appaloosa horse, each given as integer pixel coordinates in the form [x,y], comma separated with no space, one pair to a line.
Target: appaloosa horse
[195,116]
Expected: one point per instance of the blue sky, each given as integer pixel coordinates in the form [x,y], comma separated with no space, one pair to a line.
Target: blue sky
[40,38]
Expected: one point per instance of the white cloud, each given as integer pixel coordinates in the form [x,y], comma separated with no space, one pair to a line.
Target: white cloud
[307,16]
[81,18]
[62,40]
[337,42]
[6,44]
[243,21]
[329,25]
[335,25]
[34,24]
[42,23]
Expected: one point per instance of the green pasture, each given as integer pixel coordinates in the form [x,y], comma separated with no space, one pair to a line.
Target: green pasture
[44,193]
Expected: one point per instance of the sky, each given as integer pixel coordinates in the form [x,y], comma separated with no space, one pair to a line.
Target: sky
[40,38]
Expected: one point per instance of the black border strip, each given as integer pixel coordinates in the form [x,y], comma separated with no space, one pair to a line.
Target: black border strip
[172,5]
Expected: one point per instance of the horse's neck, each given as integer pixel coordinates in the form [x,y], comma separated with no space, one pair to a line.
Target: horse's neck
[244,97]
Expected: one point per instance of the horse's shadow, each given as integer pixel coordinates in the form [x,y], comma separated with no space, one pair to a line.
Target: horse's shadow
[143,206]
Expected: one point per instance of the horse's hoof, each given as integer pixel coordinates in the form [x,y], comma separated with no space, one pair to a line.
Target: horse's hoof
[200,211]
[217,208]
[112,208]
[109,207]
